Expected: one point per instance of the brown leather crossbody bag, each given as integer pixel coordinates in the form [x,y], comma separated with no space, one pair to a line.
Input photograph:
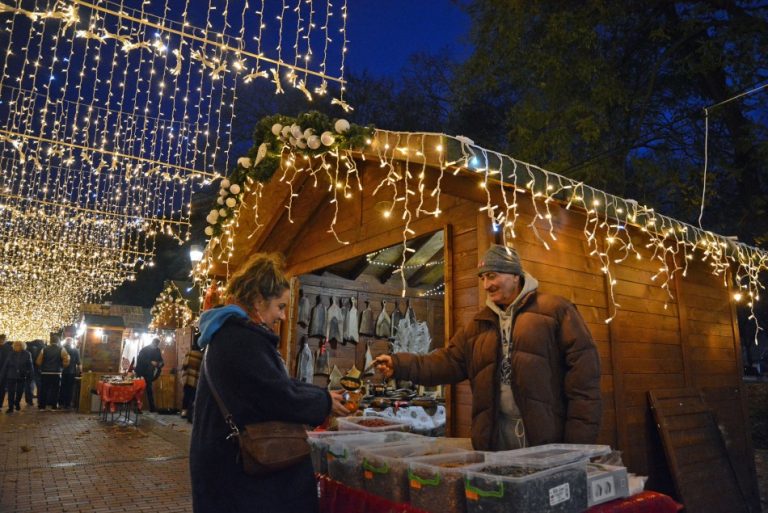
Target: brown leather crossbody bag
[265,447]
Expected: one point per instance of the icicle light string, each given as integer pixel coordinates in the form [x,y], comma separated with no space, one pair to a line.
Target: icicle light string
[671,243]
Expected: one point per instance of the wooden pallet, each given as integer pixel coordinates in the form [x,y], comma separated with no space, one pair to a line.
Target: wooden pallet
[701,469]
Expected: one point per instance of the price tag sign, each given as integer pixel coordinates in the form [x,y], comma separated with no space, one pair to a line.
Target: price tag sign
[559,494]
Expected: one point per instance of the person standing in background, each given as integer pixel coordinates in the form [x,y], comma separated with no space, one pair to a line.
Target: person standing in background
[190,371]
[34,349]
[51,360]
[148,365]
[17,366]
[69,373]
[6,349]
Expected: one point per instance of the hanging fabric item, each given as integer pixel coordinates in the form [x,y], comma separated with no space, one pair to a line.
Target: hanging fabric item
[401,342]
[350,322]
[334,320]
[367,327]
[419,339]
[344,314]
[397,315]
[369,360]
[334,380]
[383,322]
[304,309]
[409,313]
[322,363]
[317,319]
[306,367]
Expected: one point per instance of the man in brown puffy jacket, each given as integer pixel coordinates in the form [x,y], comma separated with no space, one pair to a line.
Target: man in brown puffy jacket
[531,361]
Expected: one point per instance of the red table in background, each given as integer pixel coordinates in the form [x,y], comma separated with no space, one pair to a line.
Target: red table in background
[119,398]
[338,498]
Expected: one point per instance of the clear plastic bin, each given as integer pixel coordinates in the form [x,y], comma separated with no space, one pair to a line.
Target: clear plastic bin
[606,483]
[383,424]
[318,443]
[342,454]
[385,468]
[550,455]
[437,482]
[509,486]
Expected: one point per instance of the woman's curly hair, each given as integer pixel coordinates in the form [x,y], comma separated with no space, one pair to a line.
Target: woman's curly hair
[262,277]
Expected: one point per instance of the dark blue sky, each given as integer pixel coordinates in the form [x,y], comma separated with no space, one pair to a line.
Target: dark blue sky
[383,35]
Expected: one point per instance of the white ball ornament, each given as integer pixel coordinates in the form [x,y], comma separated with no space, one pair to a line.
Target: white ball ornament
[220,200]
[308,133]
[214,213]
[301,144]
[225,184]
[341,126]
[234,189]
[231,202]
[223,192]
[327,138]
[286,131]
[297,132]
[222,212]
[276,128]
[292,140]
[245,162]
[313,142]
[208,231]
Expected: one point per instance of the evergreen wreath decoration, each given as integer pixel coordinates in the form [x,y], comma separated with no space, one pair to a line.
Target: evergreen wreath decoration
[310,134]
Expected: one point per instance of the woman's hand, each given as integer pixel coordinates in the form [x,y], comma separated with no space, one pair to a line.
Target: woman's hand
[338,407]
[383,364]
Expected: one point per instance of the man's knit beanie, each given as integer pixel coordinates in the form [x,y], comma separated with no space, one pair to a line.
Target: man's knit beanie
[500,259]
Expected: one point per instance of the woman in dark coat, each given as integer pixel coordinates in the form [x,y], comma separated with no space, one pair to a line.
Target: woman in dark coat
[250,375]
[17,367]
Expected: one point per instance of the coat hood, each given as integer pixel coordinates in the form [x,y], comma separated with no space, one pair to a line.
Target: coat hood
[212,320]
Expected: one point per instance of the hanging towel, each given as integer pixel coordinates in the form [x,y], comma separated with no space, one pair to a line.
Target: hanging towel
[397,315]
[368,360]
[350,323]
[306,367]
[317,321]
[304,311]
[322,364]
[367,327]
[334,320]
[383,322]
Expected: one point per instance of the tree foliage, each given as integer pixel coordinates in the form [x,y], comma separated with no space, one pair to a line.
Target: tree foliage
[612,93]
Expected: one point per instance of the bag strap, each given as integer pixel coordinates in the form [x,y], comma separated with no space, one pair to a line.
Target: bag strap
[224,411]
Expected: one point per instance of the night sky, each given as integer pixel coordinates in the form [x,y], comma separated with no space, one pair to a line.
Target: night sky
[382,36]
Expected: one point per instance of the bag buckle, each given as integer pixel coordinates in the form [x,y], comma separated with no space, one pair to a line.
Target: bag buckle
[235,432]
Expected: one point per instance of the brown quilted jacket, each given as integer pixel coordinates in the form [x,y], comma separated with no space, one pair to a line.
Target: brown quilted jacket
[555,371]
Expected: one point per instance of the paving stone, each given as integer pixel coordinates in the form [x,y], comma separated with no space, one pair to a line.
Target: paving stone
[57,462]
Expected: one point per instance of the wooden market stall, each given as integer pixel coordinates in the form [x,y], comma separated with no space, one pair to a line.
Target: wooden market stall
[669,332]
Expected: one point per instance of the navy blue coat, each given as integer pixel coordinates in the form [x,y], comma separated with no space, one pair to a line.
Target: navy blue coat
[18,365]
[251,378]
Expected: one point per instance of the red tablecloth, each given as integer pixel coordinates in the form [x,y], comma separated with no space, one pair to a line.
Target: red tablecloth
[111,395]
[338,498]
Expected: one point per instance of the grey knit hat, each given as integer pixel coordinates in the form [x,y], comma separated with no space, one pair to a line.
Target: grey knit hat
[500,259]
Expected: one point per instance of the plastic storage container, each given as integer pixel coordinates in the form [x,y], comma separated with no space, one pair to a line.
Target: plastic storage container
[318,442]
[606,483]
[437,482]
[556,454]
[373,424]
[344,463]
[385,468]
[508,485]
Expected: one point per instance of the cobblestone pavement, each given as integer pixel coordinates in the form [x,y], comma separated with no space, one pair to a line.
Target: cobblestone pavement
[55,461]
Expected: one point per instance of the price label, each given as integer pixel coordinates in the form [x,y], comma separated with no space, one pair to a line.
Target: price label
[415,484]
[559,494]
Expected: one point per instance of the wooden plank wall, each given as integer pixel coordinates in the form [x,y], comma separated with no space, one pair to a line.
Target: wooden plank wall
[654,342]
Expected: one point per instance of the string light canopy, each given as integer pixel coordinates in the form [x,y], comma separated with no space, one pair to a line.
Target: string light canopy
[507,183]
[112,113]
